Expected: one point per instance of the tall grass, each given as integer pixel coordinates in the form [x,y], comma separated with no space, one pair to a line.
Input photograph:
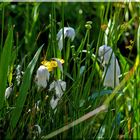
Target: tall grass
[87,109]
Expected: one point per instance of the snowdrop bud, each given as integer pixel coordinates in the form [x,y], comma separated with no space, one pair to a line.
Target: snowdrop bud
[68,32]
[8,91]
[54,102]
[42,76]
[111,66]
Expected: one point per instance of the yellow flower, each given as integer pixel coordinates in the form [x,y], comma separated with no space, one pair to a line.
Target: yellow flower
[53,63]
[50,65]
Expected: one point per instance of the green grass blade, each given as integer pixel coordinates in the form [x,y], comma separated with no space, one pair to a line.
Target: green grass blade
[24,90]
[4,63]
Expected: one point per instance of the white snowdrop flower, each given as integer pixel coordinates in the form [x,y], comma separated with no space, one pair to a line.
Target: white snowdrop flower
[42,76]
[38,128]
[68,32]
[54,102]
[111,66]
[59,86]
[8,92]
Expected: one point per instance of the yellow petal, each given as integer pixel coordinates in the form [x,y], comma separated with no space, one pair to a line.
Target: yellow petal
[61,60]
[53,63]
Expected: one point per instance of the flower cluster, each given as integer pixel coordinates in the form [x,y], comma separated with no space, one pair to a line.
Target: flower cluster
[43,72]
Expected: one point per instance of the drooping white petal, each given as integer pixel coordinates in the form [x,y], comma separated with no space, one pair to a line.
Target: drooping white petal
[54,102]
[42,76]
[111,66]
[58,89]
[63,84]
[105,53]
[68,32]
[60,43]
[8,92]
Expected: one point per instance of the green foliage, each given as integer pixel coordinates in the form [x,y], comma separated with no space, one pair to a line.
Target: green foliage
[23,91]
[87,109]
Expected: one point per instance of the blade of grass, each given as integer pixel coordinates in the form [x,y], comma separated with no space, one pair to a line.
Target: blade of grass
[23,91]
[4,63]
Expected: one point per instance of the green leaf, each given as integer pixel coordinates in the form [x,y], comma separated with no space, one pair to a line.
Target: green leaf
[4,63]
[23,91]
